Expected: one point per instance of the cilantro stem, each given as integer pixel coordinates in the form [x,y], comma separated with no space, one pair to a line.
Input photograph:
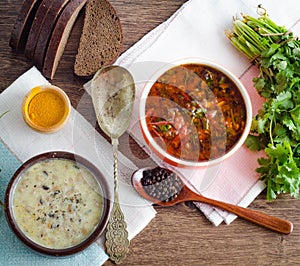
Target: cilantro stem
[271,130]
[3,114]
[1,203]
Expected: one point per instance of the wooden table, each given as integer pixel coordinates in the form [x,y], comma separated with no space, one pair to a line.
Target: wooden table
[179,235]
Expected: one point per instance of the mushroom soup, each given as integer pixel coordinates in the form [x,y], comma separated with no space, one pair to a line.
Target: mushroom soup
[57,203]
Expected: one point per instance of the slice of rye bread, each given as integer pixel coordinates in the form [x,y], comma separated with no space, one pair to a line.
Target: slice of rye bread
[35,29]
[46,30]
[59,37]
[101,38]
[22,24]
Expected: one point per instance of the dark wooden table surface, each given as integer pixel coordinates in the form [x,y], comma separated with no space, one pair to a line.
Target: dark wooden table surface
[179,235]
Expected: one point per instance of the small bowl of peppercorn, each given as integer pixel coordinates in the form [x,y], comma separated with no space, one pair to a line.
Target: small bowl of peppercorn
[57,203]
[194,113]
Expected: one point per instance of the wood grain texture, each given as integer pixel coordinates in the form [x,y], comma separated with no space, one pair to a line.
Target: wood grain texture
[178,235]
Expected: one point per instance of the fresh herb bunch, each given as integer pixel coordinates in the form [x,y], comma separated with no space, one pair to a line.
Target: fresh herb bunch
[276,127]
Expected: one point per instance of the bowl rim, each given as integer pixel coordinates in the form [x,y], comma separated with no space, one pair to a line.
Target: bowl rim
[39,89]
[8,206]
[162,154]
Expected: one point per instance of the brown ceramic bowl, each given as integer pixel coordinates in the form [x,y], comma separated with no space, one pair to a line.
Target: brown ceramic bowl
[188,110]
[57,203]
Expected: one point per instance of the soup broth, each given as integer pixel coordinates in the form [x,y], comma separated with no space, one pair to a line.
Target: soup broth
[195,112]
[57,203]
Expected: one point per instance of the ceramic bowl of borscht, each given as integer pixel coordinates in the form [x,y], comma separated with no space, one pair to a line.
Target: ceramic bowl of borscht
[194,113]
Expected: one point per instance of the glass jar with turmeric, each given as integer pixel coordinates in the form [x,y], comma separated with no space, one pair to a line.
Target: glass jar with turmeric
[46,108]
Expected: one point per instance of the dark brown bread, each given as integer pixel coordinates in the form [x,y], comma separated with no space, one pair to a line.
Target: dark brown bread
[46,30]
[35,29]
[23,23]
[59,36]
[101,38]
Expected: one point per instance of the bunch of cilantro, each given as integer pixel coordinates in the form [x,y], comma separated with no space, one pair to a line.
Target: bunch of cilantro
[276,127]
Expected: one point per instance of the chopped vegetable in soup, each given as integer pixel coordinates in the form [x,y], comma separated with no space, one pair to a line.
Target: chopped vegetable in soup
[195,112]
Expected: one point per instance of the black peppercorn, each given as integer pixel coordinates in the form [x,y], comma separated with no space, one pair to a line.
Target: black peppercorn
[45,173]
[161,184]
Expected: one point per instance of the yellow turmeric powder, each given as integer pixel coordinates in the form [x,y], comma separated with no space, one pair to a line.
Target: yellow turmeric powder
[46,109]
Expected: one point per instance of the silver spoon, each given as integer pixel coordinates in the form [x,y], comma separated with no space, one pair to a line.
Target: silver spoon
[178,192]
[113,93]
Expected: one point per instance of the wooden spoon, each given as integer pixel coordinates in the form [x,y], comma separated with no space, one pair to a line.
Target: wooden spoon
[185,194]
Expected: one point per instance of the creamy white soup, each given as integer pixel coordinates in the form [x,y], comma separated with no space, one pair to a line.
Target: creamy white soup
[57,203]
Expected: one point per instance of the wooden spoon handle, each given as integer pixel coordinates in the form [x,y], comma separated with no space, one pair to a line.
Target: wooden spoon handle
[260,218]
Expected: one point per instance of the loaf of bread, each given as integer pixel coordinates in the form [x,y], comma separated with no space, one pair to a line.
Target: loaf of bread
[43,27]
[35,29]
[101,38]
[46,30]
[20,31]
[59,37]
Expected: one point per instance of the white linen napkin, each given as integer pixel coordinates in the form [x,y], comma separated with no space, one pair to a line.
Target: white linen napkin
[196,30]
[77,136]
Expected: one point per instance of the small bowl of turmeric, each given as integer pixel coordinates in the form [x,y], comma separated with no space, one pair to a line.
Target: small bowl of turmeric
[46,108]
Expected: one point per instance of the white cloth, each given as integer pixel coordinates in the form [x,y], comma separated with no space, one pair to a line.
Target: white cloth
[197,30]
[77,136]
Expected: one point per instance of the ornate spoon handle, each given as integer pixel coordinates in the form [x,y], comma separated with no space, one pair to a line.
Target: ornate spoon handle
[117,243]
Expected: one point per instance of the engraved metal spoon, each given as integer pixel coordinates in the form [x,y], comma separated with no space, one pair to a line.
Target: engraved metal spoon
[182,193]
[113,93]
